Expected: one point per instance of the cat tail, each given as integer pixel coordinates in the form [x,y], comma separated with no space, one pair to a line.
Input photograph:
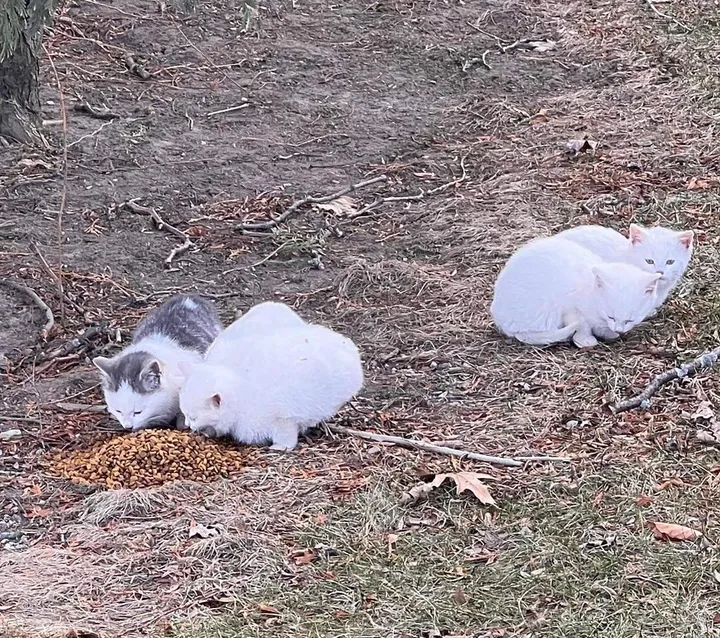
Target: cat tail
[546,337]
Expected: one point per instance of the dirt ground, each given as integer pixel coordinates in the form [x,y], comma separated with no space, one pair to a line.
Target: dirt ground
[222,114]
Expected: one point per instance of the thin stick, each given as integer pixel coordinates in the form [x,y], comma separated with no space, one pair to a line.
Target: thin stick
[18,419]
[703,362]
[228,110]
[438,449]
[310,200]
[50,319]
[657,11]
[58,284]
[161,225]
[262,261]
[63,192]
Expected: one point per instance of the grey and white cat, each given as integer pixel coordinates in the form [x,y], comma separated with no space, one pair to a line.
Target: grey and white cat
[141,384]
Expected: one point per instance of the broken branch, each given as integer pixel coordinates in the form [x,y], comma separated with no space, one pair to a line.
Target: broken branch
[437,449]
[703,362]
[310,200]
[50,319]
[161,225]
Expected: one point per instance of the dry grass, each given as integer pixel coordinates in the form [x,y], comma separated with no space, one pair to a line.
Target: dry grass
[568,553]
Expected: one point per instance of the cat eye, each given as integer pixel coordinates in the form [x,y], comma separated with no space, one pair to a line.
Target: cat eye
[670,262]
[137,412]
[611,318]
[650,261]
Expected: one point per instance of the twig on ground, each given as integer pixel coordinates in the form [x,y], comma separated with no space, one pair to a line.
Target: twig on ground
[95,132]
[437,449]
[50,318]
[100,114]
[703,362]
[262,261]
[657,12]
[310,200]
[228,110]
[18,419]
[63,192]
[161,225]
[420,196]
[58,283]
[75,407]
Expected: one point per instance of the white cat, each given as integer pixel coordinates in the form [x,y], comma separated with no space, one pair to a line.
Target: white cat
[260,320]
[552,290]
[271,387]
[655,250]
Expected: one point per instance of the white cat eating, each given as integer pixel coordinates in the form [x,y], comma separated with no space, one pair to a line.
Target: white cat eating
[656,250]
[552,290]
[270,383]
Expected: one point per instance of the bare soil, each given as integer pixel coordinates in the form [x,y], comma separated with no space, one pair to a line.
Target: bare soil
[223,114]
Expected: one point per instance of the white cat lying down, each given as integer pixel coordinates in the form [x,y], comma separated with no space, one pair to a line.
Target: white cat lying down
[552,290]
[654,250]
[271,387]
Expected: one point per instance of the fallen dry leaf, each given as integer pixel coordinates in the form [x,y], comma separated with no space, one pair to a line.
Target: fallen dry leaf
[673,532]
[704,411]
[463,480]
[643,501]
[698,184]
[541,46]
[200,531]
[305,557]
[268,610]
[580,146]
[342,206]
[459,596]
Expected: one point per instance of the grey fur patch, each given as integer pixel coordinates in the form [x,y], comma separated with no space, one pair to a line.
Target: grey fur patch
[191,321]
[129,369]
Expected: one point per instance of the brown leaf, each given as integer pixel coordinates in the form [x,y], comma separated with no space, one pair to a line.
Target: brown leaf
[468,481]
[268,610]
[459,596]
[643,501]
[698,184]
[342,206]
[673,532]
[305,557]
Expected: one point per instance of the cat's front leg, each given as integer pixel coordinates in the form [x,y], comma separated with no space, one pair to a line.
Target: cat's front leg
[583,337]
[605,333]
[284,436]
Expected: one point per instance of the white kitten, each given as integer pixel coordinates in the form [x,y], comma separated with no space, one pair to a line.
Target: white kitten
[655,250]
[551,290]
[272,387]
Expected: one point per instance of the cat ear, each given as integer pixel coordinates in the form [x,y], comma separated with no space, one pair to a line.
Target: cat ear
[653,284]
[636,234]
[686,238]
[150,375]
[215,400]
[103,364]
[599,278]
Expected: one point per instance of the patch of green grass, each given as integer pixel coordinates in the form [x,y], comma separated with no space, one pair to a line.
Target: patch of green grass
[566,559]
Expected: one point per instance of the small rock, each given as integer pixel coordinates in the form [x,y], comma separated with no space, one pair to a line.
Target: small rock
[9,434]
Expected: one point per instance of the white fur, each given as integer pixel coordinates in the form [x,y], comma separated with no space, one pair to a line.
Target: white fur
[256,322]
[137,411]
[276,386]
[654,250]
[551,290]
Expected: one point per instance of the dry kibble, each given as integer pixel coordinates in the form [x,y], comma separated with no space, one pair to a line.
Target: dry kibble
[146,458]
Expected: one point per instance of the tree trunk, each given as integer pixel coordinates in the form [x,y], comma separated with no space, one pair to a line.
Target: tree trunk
[21,27]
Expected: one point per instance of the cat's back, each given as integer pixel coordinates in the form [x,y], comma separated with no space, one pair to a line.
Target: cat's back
[549,255]
[188,321]
[606,243]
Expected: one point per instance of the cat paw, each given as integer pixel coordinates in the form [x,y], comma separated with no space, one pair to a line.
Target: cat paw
[584,341]
[608,335]
[281,448]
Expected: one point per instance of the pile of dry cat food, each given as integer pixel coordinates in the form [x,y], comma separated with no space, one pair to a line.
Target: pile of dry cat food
[148,457]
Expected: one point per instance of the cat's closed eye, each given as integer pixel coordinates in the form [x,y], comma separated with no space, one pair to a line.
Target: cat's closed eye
[670,262]
[137,412]
[611,318]
[650,261]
